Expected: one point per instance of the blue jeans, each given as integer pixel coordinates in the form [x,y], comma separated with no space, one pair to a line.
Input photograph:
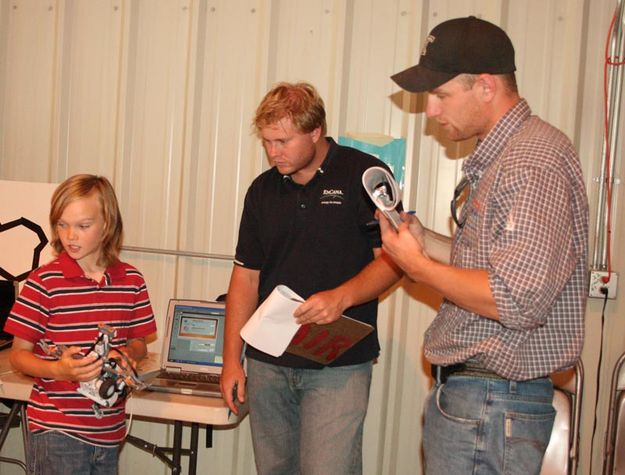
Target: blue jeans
[54,453]
[307,421]
[480,426]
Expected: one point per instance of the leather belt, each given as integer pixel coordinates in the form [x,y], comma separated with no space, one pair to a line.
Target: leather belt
[441,373]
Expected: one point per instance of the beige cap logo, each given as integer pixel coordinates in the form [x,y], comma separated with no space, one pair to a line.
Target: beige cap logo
[428,40]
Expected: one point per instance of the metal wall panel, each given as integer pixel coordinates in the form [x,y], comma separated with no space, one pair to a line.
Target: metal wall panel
[548,48]
[307,44]
[159,95]
[29,83]
[87,88]
[604,325]
[149,169]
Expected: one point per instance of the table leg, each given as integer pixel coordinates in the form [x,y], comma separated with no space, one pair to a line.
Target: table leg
[195,427]
[11,417]
[177,446]
[176,450]
[209,436]
[24,418]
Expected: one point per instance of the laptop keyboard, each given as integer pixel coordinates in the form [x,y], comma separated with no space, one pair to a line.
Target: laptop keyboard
[195,377]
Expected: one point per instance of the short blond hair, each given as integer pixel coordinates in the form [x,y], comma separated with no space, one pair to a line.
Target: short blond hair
[83,186]
[299,102]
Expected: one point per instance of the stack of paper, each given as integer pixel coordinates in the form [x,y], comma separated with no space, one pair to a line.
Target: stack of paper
[273,326]
[273,330]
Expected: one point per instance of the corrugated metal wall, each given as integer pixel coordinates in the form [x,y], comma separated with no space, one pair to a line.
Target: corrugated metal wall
[158,95]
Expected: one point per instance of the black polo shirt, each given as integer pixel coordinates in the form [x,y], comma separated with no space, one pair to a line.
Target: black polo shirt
[312,238]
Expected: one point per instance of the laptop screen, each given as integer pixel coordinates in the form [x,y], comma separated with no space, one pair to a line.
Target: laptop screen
[8,291]
[196,333]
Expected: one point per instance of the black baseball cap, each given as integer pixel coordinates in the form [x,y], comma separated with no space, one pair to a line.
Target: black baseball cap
[459,46]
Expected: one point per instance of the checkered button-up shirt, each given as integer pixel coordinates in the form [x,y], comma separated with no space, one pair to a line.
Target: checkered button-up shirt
[526,223]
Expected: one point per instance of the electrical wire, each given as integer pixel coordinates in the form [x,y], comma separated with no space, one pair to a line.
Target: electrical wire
[129,425]
[615,63]
[594,424]
[129,363]
[609,62]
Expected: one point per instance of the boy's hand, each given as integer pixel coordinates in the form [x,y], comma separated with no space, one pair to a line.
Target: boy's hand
[74,366]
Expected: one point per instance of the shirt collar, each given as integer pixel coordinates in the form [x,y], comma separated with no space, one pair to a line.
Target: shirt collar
[329,156]
[488,149]
[72,270]
[324,166]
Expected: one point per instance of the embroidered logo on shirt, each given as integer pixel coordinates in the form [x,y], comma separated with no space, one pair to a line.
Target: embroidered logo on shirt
[332,197]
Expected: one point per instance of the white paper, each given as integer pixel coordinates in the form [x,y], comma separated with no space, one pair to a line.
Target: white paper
[272,326]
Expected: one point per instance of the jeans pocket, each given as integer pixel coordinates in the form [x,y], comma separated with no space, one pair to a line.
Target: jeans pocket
[450,434]
[442,401]
[526,439]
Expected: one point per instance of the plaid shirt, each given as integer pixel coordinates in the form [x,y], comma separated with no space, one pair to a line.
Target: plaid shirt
[526,223]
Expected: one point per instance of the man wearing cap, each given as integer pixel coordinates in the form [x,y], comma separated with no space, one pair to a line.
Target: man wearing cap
[513,277]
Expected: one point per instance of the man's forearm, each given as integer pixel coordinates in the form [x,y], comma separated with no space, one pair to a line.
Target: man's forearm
[437,246]
[377,277]
[467,288]
[241,303]
[136,349]
[233,343]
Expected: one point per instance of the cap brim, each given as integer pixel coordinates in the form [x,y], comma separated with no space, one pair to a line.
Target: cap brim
[421,79]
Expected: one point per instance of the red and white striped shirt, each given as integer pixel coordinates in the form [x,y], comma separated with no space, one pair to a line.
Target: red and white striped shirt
[62,306]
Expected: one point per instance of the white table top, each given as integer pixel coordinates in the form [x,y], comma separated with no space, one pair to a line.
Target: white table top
[205,410]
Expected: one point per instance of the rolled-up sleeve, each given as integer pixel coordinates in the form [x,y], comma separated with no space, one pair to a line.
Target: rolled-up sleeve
[533,256]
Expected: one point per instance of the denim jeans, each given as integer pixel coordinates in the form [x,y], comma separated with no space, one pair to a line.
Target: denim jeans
[479,426]
[307,421]
[54,453]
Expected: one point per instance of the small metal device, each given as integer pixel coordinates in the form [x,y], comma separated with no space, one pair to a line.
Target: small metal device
[115,379]
[383,191]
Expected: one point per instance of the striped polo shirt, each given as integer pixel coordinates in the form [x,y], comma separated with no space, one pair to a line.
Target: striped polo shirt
[61,305]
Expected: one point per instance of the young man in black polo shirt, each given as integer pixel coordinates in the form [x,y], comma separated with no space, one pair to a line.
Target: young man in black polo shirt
[304,226]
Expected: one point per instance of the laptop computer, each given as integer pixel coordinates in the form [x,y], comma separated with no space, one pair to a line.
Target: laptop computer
[8,294]
[192,354]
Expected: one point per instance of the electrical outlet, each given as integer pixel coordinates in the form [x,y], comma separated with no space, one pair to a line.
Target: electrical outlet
[597,284]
